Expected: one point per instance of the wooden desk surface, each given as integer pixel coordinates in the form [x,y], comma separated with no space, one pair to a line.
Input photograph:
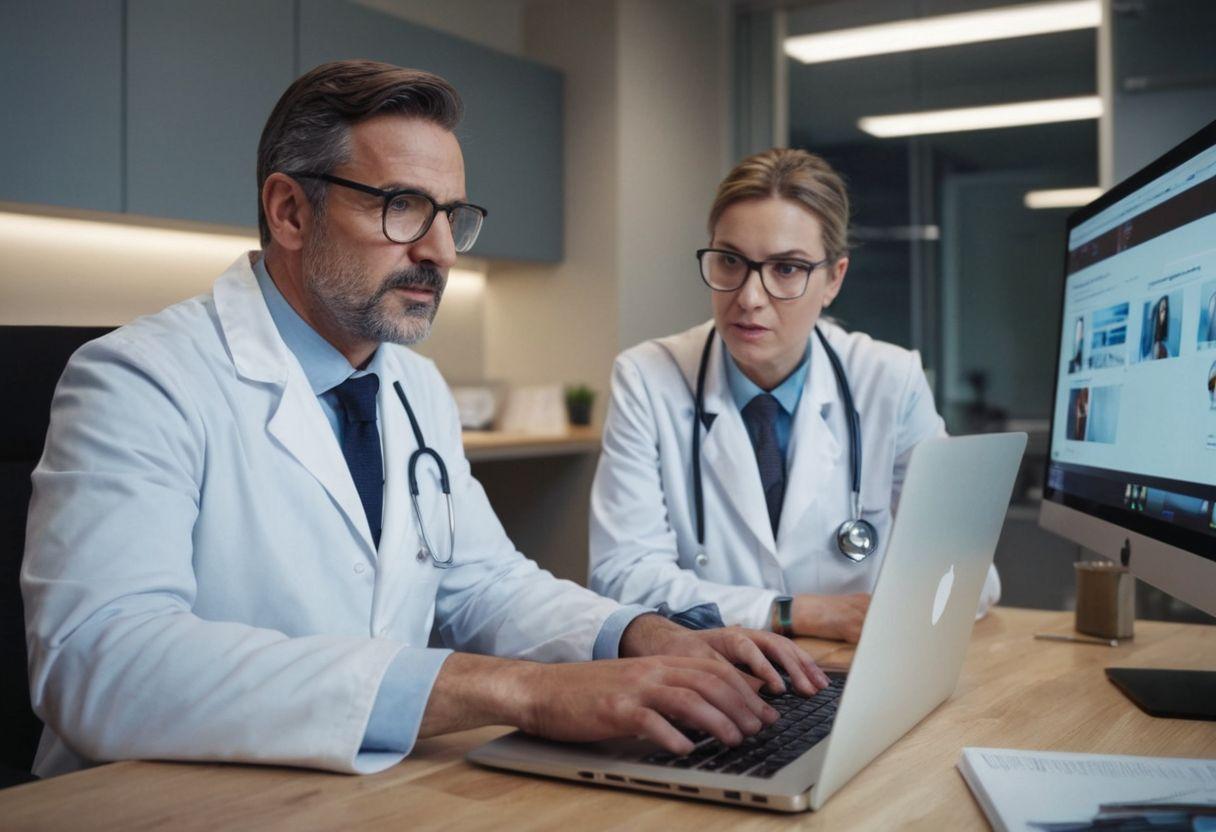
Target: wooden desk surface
[487,445]
[1014,692]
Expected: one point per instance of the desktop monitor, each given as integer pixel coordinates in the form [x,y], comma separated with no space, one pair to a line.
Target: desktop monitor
[1131,468]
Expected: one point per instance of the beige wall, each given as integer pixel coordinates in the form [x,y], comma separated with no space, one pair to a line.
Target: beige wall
[558,323]
[646,142]
[73,272]
[672,76]
[69,271]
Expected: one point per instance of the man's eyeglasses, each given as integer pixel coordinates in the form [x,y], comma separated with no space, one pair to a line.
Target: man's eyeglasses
[783,278]
[407,214]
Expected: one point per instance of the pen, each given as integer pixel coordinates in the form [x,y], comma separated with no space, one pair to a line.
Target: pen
[1108,642]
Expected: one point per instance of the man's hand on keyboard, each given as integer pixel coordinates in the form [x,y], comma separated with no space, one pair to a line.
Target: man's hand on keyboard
[759,651]
[667,676]
[642,697]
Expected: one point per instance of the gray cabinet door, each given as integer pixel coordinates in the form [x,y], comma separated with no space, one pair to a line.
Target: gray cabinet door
[61,85]
[201,80]
[512,130]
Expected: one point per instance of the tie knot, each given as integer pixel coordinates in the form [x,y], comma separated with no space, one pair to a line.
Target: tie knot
[358,397]
[763,408]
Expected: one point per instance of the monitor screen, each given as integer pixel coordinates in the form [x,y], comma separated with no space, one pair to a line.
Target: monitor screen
[1133,437]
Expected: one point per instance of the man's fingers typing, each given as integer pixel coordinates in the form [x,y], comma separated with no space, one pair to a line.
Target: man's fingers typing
[688,707]
[654,727]
[744,709]
[754,657]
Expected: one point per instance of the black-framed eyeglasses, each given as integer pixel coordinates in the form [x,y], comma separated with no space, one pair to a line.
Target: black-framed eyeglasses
[407,214]
[784,278]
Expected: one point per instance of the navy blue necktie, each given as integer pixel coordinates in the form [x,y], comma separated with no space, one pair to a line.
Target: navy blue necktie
[361,444]
[761,418]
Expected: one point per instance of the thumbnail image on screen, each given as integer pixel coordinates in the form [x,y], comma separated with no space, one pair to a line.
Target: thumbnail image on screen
[1161,331]
[1108,343]
[1212,386]
[1078,346]
[1093,414]
[1207,317]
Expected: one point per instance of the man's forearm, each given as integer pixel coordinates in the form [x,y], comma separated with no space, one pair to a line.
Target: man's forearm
[647,635]
[471,691]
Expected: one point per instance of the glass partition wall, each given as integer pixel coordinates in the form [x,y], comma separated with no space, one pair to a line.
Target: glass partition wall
[949,259]
[953,254]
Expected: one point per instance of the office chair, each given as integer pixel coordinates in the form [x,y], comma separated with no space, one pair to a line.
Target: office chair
[31,360]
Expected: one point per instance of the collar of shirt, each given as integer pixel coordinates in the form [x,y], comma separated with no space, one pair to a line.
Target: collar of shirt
[323,365]
[787,393]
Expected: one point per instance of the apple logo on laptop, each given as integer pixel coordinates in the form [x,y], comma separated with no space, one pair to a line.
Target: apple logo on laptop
[944,586]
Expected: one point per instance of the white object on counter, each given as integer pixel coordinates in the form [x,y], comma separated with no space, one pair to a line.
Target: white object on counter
[537,410]
[476,406]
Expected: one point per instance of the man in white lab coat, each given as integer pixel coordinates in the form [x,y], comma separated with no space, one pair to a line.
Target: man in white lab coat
[223,562]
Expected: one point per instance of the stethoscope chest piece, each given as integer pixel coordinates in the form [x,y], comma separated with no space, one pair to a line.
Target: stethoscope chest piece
[857,539]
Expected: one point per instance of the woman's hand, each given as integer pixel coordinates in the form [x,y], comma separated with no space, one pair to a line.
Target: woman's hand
[831,616]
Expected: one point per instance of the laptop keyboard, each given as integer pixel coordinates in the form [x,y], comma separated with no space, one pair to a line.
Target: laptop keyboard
[803,722]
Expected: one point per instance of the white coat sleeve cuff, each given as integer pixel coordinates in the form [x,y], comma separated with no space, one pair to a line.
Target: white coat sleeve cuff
[608,642]
[397,713]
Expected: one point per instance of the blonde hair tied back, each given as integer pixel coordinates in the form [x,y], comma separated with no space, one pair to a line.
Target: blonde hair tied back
[794,174]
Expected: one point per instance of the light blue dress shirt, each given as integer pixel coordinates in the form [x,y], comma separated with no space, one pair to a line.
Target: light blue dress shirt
[401,699]
[787,394]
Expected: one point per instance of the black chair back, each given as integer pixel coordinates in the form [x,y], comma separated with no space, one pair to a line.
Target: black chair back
[31,360]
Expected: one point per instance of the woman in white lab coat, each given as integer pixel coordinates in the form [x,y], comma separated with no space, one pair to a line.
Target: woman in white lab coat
[773,441]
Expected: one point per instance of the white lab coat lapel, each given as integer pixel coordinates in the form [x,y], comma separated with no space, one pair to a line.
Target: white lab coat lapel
[298,422]
[815,450]
[727,455]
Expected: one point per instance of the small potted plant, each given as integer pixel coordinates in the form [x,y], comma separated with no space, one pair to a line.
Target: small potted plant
[579,400]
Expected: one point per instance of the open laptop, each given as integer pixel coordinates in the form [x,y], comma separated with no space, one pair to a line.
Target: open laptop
[950,514]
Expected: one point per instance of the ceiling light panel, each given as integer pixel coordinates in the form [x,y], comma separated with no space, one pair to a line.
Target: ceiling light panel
[945,30]
[988,117]
[1061,197]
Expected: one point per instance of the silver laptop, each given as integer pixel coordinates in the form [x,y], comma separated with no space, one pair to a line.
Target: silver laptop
[907,663]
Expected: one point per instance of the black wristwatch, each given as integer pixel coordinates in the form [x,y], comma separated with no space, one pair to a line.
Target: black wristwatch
[781,616]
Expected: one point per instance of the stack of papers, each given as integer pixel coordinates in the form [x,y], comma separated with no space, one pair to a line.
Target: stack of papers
[1032,791]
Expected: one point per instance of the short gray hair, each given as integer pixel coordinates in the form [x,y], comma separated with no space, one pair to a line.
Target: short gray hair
[309,128]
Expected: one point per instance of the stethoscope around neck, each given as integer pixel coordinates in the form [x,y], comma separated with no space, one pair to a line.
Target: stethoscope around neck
[427,550]
[856,538]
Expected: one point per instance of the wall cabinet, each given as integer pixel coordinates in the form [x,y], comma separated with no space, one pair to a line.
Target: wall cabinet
[155,107]
[511,135]
[201,80]
[61,84]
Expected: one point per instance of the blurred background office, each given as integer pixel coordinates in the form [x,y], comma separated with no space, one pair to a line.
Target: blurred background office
[596,132]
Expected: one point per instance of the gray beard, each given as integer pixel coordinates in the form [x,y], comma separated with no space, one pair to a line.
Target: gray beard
[332,279]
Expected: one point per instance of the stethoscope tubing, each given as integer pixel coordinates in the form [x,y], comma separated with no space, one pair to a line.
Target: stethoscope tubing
[444,484]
